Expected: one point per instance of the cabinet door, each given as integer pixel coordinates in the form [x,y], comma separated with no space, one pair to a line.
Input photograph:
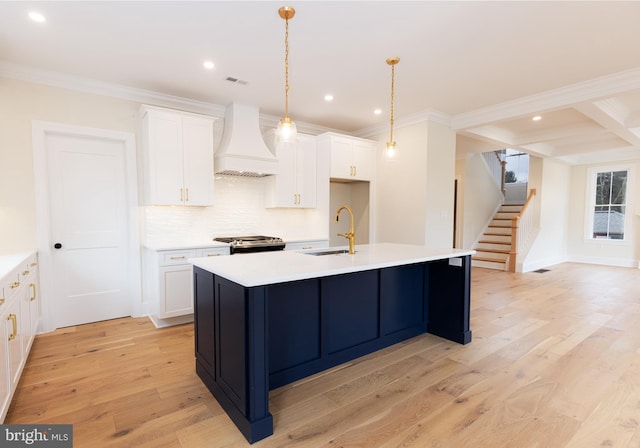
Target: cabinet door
[364,160]
[5,391]
[306,172]
[351,310]
[197,143]
[176,291]
[284,185]
[13,336]
[164,156]
[341,159]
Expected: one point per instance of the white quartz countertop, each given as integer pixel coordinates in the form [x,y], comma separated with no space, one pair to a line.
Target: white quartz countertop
[267,268]
[8,262]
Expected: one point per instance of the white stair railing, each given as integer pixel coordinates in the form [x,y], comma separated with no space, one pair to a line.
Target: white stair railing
[497,167]
[522,231]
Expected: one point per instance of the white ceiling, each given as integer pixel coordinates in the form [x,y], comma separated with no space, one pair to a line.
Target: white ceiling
[485,68]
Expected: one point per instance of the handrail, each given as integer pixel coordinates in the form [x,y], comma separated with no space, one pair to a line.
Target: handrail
[497,169]
[522,229]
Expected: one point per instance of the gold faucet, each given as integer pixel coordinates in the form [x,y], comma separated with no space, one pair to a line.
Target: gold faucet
[351,235]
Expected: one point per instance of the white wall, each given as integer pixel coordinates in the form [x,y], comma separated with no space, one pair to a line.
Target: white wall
[479,197]
[415,191]
[616,253]
[440,177]
[236,200]
[552,180]
[22,102]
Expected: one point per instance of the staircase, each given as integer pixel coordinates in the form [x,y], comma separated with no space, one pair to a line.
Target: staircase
[492,251]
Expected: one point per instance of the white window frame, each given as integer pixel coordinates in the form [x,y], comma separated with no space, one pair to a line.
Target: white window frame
[592,174]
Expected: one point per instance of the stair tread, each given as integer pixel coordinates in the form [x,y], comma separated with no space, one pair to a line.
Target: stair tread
[490,260]
[493,251]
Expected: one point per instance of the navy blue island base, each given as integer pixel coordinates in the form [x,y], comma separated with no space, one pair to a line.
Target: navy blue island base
[249,340]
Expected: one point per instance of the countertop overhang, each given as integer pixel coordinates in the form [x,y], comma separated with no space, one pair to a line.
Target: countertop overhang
[268,268]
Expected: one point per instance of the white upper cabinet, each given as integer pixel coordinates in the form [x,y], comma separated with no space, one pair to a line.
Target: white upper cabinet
[295,185]
[178,149]
[351,158]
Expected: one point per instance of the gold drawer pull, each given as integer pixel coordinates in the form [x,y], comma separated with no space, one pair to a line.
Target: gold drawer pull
[213,255]
[14,285]
[1,301]
[14,324]
[25,272]
[178,258]
[34,264]
[33,285]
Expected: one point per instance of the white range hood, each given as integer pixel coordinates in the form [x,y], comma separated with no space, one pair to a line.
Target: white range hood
[243,151]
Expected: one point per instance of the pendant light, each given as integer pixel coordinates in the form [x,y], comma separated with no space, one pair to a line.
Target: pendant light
[391,145]
[286,131]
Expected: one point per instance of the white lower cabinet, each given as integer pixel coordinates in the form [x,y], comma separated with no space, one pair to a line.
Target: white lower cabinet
[19,318]
[169,283]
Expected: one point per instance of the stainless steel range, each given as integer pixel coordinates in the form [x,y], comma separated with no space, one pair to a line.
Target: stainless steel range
[253,243]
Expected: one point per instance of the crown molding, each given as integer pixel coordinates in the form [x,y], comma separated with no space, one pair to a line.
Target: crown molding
[591,90]
[87,85]
[431,115]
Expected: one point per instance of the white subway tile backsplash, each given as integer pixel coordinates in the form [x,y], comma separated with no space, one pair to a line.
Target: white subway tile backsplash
[238,209]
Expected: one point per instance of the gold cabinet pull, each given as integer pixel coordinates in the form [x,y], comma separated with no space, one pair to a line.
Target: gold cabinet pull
[213,255]
[14,324]
[187,195]
[33,286]
[25,273]
[14,285]
[178,258]
[1,301]
[181,195]
[355,170]
[34,264]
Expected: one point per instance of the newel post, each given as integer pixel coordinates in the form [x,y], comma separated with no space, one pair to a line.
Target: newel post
[515,222]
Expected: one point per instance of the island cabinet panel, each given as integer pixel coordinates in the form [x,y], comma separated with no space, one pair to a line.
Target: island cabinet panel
[449,290]
[294,324]
[203,313]
[234,318]
[402,300]
[352,311]
[230,340]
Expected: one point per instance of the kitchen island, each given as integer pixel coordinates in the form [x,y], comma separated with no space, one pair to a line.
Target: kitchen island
[267,319]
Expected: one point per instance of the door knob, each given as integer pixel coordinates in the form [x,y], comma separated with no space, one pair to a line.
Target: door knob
[58,245]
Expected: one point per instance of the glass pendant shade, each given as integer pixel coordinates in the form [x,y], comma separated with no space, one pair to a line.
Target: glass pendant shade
[286,130]
[391,151]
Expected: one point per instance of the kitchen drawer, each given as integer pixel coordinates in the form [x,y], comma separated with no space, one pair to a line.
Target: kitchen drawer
[213,252]
[306,245]
[175,257]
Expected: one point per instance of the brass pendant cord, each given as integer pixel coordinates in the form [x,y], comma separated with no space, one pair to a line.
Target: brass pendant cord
[286,66]
[392,62]
[393,76]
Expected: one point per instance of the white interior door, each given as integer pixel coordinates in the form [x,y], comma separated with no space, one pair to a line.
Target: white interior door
[89,220]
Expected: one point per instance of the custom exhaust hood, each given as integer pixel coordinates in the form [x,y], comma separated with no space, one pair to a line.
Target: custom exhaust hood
[243,151]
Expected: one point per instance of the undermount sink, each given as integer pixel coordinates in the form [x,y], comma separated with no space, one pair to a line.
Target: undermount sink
[329,252]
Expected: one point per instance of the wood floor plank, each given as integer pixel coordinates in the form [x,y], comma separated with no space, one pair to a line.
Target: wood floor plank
[554,363]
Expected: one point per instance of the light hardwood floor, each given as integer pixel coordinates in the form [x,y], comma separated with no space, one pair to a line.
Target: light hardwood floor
[554,362]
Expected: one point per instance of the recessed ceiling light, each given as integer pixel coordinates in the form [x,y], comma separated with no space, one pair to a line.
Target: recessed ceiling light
[37,17]
[328,97]
[537,118]
[208,65]
[377,111]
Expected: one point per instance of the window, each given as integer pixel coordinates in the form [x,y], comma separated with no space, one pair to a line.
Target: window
[608,209]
